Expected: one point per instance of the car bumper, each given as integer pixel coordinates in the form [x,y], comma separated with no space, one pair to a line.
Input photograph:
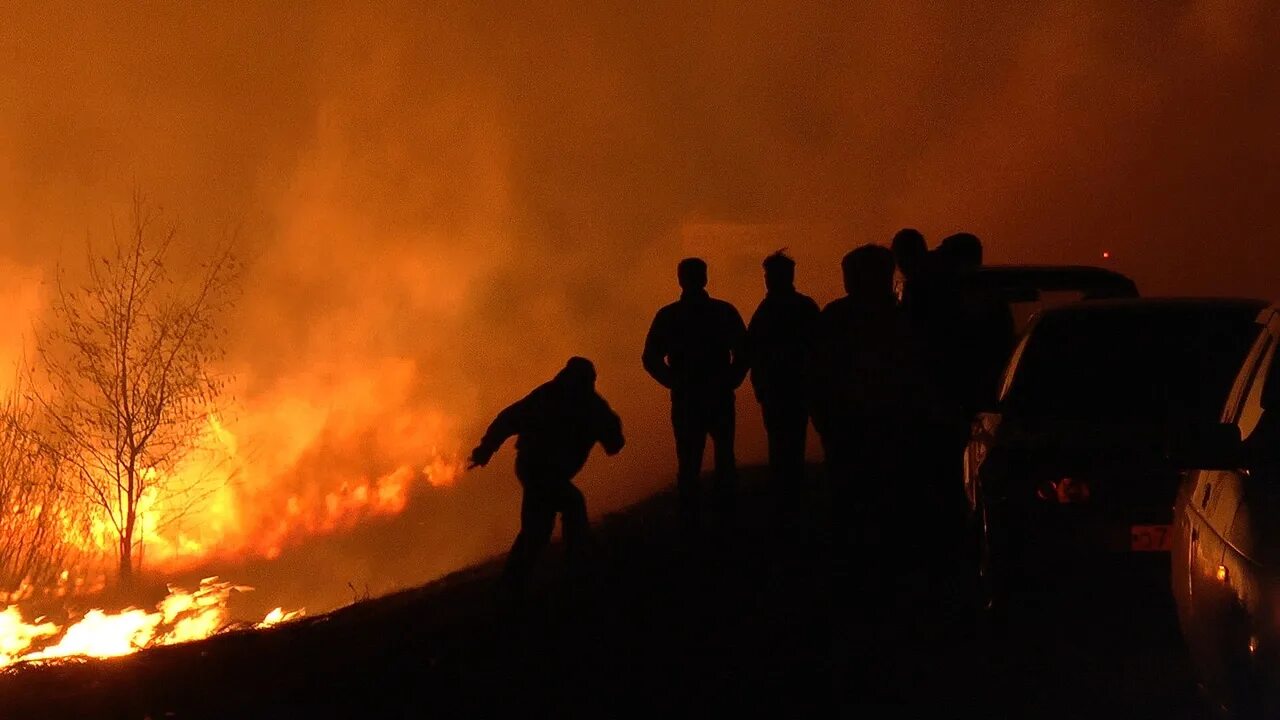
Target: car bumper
[1052,540]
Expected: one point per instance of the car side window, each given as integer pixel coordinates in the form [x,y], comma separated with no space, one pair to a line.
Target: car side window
[1251,409]
[1231,411]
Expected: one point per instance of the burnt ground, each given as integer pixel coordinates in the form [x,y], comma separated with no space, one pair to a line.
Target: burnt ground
[760,614]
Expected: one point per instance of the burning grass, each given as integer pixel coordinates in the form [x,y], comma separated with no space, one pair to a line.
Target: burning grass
[182,616]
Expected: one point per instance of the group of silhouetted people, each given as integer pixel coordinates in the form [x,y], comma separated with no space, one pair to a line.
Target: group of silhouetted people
[889,375]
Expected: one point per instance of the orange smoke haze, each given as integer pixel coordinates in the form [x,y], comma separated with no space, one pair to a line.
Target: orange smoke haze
[437,206]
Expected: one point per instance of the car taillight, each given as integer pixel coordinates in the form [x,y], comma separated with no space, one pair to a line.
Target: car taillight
[1065,491]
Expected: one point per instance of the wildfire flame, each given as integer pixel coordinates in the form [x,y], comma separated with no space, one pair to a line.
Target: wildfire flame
[180,617]
[291,467]
[286,469]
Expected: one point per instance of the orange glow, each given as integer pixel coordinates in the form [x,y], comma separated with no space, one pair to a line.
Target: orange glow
[298,464]
[1222,573]
[429,229]
[181,616]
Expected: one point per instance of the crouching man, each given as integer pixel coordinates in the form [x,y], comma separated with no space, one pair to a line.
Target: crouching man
[556,426]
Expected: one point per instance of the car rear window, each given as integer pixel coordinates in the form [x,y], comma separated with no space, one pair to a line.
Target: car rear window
[1126,363]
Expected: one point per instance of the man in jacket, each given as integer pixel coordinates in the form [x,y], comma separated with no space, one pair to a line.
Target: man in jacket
[868,395]
[695,349]
[556,427]
[780,340]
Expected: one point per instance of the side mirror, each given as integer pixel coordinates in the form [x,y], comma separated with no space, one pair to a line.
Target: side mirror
[1211,446]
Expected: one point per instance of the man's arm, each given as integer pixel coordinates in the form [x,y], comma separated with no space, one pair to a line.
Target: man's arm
[508,423]
[610,426]
[810,327]
[819,376]
[656,348]
[755,328]
[737,346]
[811,317]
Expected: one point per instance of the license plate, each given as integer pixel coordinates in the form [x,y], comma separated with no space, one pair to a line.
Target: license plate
[1149,538]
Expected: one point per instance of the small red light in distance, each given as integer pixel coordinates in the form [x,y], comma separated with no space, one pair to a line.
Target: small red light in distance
[1106,254]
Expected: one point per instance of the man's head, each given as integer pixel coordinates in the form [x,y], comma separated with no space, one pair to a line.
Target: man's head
[868,271]
[578,373]
[910,250]
[779,271]
[692,273]
[962,251]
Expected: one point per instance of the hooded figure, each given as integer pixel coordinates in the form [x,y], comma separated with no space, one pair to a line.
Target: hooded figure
[556,426]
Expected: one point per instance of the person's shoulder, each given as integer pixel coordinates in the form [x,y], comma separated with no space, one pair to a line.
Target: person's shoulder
[806,302]
[599,403]
[542,391]
[724,306]
[835,306]
[667,311]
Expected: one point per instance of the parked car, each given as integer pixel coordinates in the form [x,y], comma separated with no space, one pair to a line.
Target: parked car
[1006,298]
[1226,538]
[1071,465]
[1030,288]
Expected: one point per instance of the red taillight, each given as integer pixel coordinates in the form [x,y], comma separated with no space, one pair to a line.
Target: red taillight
[1065,491]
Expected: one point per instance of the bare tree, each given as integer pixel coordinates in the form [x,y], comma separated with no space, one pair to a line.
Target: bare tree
[129,375]
[37,518]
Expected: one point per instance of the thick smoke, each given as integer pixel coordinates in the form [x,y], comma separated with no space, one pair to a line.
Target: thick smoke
[438,205]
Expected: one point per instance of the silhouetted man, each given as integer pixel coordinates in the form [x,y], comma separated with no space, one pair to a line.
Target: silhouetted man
[695,348]
[557,425]
[912,255]
[867,394]
[969,333]
[963,250]
[779,343]
[985,326]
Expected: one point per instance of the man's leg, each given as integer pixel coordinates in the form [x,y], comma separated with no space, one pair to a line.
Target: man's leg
[839,470]
[721,414]
[799,432]
[773,427]
[576,527]
[872,491]
[537,520]
[691,441]
[787,424]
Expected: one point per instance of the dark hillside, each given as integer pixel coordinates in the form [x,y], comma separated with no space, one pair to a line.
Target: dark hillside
[758,615]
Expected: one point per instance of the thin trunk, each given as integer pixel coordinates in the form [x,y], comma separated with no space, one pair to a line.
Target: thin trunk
[126,558]
[126,537]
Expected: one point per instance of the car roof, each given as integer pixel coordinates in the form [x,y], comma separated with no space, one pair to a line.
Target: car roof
[1155,304]
[1026,282]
